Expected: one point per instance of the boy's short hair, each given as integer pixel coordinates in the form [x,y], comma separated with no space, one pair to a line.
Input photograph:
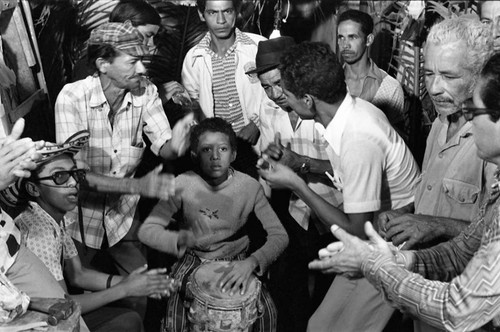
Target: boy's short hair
[201,4]
[214,125]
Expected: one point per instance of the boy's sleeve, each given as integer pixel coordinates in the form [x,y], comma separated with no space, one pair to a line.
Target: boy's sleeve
[277,238]
[153,231]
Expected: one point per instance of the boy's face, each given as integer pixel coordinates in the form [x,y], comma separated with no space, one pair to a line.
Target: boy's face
[215,155]
[57,199]
[220,16]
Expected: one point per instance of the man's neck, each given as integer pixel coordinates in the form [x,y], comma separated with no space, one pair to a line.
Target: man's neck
[455,123]
[113,95]
[358,70]
[220,46]
[326,112]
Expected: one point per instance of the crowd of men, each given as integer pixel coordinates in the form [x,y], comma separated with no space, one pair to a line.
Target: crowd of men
[325,136]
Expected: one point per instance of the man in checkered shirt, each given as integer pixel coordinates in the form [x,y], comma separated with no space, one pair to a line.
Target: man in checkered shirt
[117,105]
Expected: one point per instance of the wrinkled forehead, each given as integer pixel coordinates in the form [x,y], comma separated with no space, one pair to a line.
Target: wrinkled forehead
[489,9]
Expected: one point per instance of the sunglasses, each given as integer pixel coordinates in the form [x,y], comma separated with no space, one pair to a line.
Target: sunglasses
[61,177]
[470,111]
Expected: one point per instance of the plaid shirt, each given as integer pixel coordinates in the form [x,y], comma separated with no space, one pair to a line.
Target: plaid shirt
[305,140]
[113,151]
[469,266]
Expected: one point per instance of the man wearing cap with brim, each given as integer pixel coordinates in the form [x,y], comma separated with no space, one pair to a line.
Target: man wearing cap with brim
[117,105]
[295,143]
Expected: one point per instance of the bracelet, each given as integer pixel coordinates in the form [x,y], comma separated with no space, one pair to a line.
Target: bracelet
[108,282]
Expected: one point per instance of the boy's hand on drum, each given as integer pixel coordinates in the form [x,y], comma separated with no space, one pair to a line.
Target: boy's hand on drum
[237,279]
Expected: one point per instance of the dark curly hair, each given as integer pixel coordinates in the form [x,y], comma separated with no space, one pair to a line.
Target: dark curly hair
[490,92]
[313,68]
[214,125]
[360,17]
[202,3]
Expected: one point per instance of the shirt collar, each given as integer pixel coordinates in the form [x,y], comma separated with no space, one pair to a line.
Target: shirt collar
[374,72]
[464,132]
[203,46]
[335,128]
[97,98]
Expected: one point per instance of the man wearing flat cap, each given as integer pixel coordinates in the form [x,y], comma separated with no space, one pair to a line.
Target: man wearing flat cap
[117,104]
[293,142]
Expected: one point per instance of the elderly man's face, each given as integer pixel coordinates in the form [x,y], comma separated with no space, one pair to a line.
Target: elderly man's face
[447,80]
[490,15]
[125,71]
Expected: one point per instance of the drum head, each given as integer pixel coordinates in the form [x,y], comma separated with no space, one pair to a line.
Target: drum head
[205,284]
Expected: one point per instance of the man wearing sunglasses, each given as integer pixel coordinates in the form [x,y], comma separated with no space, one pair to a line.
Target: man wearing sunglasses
[53,190]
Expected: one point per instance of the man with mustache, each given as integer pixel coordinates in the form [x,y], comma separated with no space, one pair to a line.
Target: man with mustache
[117,105]
[362,76]
[453,176]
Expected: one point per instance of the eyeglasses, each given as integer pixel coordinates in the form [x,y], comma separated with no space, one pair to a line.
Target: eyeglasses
[61,177]
[470,111]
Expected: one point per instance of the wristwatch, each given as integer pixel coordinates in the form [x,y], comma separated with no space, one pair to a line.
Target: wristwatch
[306,166]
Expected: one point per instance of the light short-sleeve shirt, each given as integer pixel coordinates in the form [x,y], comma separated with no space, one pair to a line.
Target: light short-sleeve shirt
[10,241]
[46,238]
[372,165]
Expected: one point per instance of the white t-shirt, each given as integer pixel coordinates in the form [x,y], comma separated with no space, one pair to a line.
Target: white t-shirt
[372,165]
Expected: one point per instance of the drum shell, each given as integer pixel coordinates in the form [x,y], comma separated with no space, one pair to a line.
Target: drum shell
[209,314]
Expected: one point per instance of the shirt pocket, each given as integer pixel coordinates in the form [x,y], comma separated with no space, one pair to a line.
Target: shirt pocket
[134,157]
[461,192]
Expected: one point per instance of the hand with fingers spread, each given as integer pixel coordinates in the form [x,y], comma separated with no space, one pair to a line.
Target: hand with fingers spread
[283,154]
[17,155]
[276,174]
[346,256]
[250,133]
[142,282]
[237,279]
[157,185]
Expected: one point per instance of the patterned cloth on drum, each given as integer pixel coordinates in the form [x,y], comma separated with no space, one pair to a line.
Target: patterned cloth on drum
[200,306]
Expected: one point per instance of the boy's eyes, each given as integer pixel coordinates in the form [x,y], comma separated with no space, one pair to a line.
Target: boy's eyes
[226,12]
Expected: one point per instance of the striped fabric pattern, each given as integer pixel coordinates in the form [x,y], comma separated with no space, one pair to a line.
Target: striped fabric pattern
[470,263]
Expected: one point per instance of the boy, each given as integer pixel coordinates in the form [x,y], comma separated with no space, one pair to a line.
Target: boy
[215,201]
[53,188]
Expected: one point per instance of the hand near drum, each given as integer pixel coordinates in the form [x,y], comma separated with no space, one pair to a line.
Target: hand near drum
[238,278]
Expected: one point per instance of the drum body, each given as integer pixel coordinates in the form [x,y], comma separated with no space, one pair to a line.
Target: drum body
[211,310]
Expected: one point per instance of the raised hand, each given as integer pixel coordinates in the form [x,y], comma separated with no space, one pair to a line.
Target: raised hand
[250,133]
[276,174]
[180,134]
[157,185]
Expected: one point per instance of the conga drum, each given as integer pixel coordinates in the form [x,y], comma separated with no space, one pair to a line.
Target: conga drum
[211,310]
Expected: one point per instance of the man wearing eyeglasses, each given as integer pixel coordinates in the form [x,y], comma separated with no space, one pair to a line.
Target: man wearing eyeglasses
[454,285]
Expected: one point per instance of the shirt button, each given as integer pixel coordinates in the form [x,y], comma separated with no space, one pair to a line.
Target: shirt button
[230,104]
[429,187]
[462,199]
[115,151]
[114,172]
[440,155]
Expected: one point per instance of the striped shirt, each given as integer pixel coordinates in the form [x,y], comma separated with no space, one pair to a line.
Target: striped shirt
[468,267]
[226,100]
[113,150]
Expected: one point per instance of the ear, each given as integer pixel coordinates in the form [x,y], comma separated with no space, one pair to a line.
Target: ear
[309,101]
[233,156]
[202,18]
[32,189]
[102,65]
[369,39]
